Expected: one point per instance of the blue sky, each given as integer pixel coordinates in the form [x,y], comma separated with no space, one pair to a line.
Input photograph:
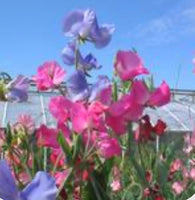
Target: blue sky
[162,31]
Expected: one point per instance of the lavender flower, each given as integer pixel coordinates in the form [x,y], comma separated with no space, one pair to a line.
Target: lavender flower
[85,64]
[77,86]
[17,89]
[82,24]
[42,186]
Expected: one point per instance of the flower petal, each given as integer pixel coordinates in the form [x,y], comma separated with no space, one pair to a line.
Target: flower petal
[42,187]
[8,189]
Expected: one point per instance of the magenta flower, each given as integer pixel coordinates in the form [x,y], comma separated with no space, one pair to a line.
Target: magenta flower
[128,65]
[83,24]
[161,96]
[49,75]
[107,146]
[59,107]
[48,136]
[130,106]
[80,123]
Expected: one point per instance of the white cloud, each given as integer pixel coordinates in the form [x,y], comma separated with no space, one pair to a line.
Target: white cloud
[174,25]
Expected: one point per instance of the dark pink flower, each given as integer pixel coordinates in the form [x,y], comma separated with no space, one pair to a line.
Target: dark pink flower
[160,96]
[61,177]
[49,75]
[48,136]
[128,65]
[79,117]
[107,146]
[160,127]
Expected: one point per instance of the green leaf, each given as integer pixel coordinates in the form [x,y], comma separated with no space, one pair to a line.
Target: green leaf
[65,147]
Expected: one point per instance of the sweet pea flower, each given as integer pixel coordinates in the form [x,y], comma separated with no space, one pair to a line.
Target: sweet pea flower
[78,23]
[77,86]
[192,174]
[128,65]
[41,187]
[57,158]
[176,165]
[161,96]
[83,24]
[107,146]
[80,123]
[178,187]
[48,136]
[61,176]
[160,127]
[124,110]
[158,97]
[101,90]
[87,63]
[26,122]
[59,107]
[116,185]
[49,75]
[17,89]
[96,115]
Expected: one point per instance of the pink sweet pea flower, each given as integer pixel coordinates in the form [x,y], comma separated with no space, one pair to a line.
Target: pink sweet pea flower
[192,174]
[61,177]
[118,124]
[48,136]
[60,107]
[107,146]
[128,65]
[140,93]
[160,96]
[178,187]
[49,75]
[116,185]
[57,158]
[176,166]
[79,117]
[96,112]
[26,122]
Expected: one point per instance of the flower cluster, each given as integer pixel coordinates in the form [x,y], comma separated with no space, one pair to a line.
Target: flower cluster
[103,146]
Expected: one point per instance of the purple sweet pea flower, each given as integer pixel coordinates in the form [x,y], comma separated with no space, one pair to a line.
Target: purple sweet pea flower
[83,24]
[101,36]
[68,53]
[17,89]
[42,186]
[77,86]
[101,90]
[85,64]
[78,23]
[90,62]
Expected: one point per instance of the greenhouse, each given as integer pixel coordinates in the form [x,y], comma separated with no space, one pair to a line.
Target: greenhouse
[179,114]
